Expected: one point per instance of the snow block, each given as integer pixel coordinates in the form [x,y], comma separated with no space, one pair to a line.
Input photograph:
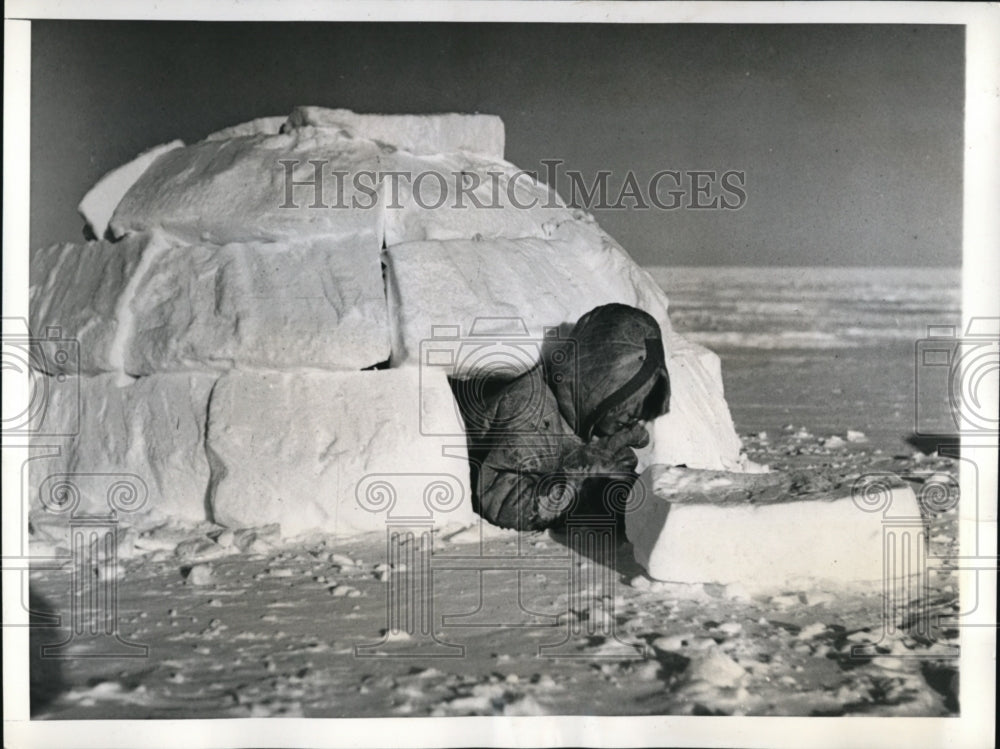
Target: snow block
[418,134]
[342,453]
[698,431]
[319,303]
[603,256]
[540,283]
[833,539]
[149,434]
[490,301]
[464,196]
[101,200]
[77,288]
[143,306]
[260,188]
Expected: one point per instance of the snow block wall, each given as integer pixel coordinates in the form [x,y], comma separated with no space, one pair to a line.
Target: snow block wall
[235,324]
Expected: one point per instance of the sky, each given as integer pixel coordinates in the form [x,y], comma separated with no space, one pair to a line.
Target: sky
[849,137]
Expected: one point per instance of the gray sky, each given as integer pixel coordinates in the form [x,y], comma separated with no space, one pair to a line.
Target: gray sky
[850,137]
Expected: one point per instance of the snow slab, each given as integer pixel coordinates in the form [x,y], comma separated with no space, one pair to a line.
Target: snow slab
[148,434]
[698,431]
[239,190]
[508,289]
[76,288]
[609,259]
[142,305]
[337,452]
[464,196]
[101,200]
[418,134]
[318,303]
[801,543]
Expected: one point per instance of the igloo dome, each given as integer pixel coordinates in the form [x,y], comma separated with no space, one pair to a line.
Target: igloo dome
[267,327]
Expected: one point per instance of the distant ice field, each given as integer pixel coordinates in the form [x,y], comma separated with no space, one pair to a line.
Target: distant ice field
[827,349]
[810,308]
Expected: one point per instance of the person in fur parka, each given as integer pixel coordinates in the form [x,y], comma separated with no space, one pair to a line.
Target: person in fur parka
[546,444]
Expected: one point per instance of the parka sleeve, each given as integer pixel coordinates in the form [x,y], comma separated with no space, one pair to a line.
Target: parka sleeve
[527,478]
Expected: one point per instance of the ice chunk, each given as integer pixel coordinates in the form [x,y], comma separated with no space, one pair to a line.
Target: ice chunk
[200,574]
[149,433]
[101,200]
[337,452]
[715,668]
[418,134]
[794,542]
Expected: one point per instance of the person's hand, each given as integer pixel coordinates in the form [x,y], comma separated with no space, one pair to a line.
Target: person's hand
[597,459]
[633,436]
[624,460]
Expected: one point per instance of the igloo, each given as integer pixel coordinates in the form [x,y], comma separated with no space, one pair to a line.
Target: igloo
[260,341]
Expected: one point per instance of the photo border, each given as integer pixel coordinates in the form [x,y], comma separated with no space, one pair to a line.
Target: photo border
[981,269]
